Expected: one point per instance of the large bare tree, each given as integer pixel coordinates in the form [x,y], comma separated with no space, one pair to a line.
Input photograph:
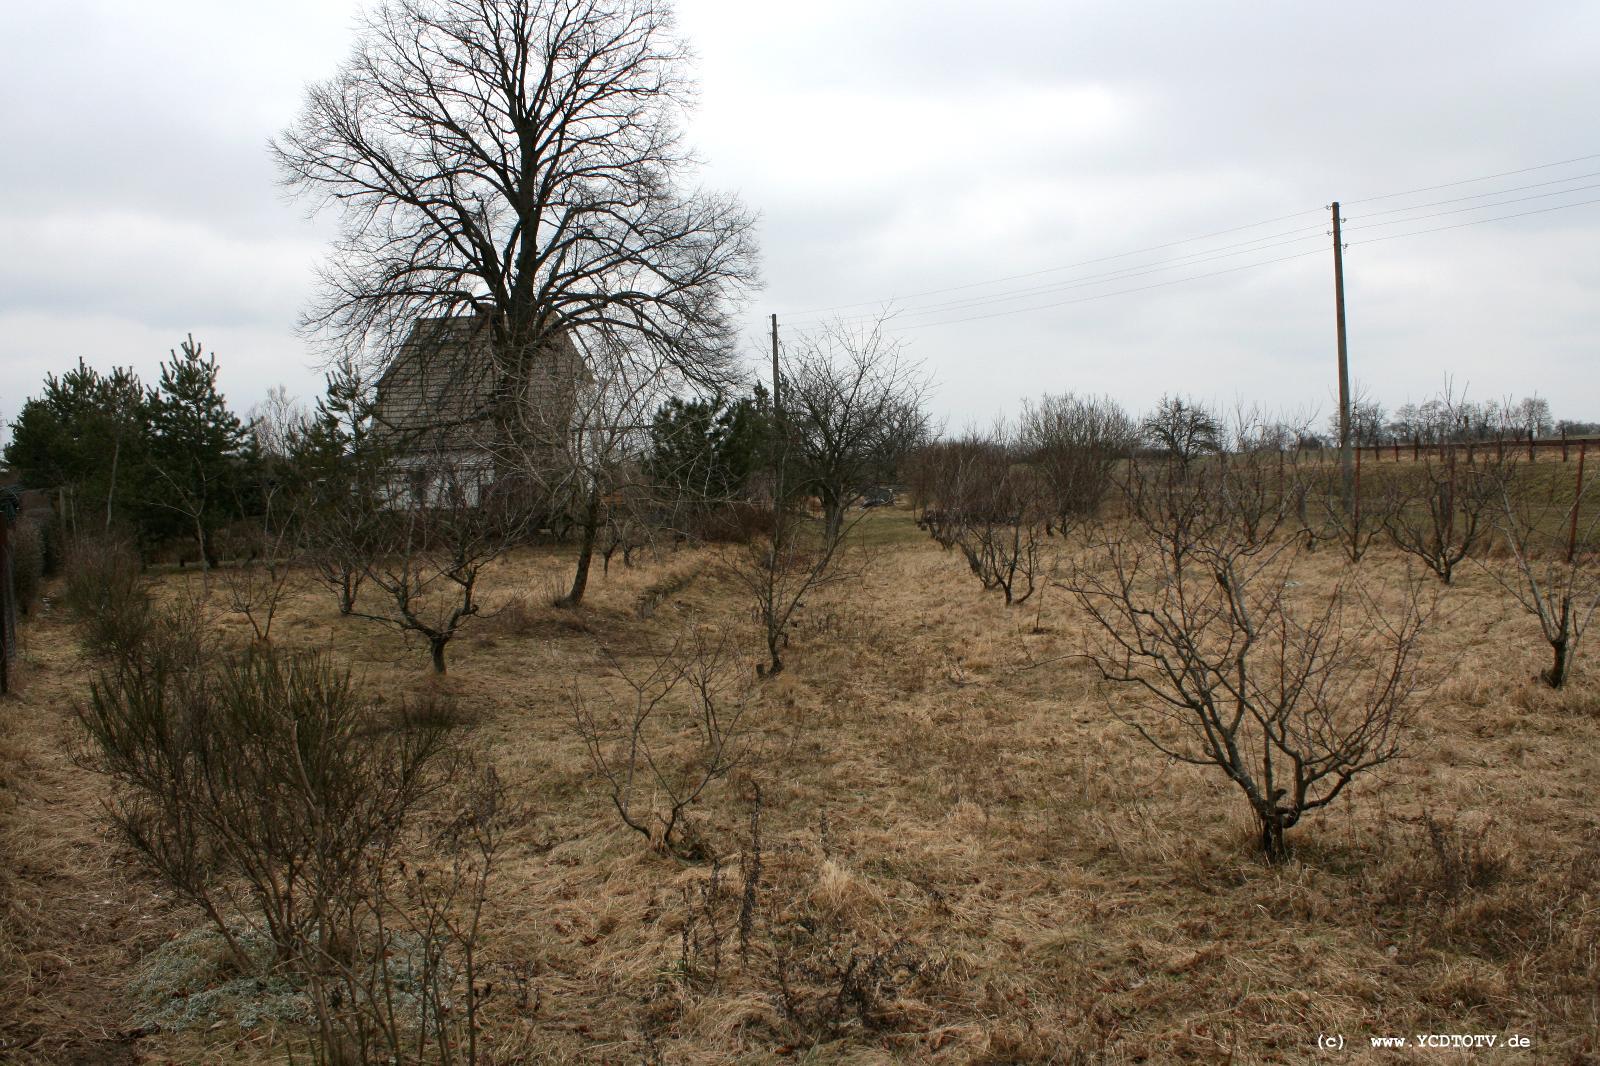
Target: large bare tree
[518,161]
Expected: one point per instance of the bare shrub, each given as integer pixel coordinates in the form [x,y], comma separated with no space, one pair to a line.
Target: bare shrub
[849,411]
[952,480]
[1004,521]
[255,585]
[1182,430]
[733,522]
[587,457]
[1010,556]
[105,591]
[712,930]
[942,525]
[1551,568]
[1174,508]
[341,537]
[1075,443]
[780,570]
[1463,860]
[852,408]
[232,776]
[625,531]
[1248,492]
[432,548]
[828,978]
[823,972]
[398,974]
[257,788]
[1290,698]
[26,541]
[680,728]
[1353,529]
[1440,508]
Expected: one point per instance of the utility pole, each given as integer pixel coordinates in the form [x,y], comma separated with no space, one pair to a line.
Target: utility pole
[780,443]
[774,365]
[1346,470]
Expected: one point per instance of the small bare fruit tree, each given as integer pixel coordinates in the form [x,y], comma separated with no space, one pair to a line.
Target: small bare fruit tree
[1552,570]
[272,541]
[852,409]
[1075,443]
[437,536]
[1442,510]
[1005,520]
[1443,507]
[1291,694]
[678,729]
[848,414]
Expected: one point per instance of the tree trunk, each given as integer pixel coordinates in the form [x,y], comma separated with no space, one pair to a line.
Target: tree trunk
[1556,676]
[589,529]
[111,492]
[775,663]
[832,515]
[1272,837]
[436,649]
[205,554]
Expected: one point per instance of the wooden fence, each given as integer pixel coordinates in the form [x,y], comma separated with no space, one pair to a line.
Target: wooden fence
[1567,449]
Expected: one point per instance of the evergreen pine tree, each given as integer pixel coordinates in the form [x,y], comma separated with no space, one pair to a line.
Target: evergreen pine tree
[201,450]
[87,434]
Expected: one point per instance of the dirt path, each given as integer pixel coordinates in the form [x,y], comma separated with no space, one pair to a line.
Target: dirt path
[74,915]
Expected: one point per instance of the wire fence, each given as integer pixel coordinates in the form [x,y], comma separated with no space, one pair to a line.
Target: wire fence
[8,604]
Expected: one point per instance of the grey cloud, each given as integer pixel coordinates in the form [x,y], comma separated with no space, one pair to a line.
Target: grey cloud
[890,148]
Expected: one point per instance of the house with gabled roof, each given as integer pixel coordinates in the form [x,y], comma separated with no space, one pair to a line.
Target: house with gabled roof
[453,414]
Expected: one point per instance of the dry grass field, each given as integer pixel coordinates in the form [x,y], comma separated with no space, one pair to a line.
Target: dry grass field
[964,856]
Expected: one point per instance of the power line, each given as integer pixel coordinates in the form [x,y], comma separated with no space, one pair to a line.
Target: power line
[1065,266]
[1478,207]
[1480,195]
[1203,255]
[1479,221]
[1469,181]
[1119,292]
[1236,269]
[1103,278]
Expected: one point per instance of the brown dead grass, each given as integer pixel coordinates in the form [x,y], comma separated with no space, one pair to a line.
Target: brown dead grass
[945,791]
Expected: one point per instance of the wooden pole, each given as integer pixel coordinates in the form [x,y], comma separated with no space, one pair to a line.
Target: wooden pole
[774,364]
[781,439]
[1577,498]
[1355,500]
[1347,473]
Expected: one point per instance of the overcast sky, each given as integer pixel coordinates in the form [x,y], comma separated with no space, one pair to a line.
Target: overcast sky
[892,148]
